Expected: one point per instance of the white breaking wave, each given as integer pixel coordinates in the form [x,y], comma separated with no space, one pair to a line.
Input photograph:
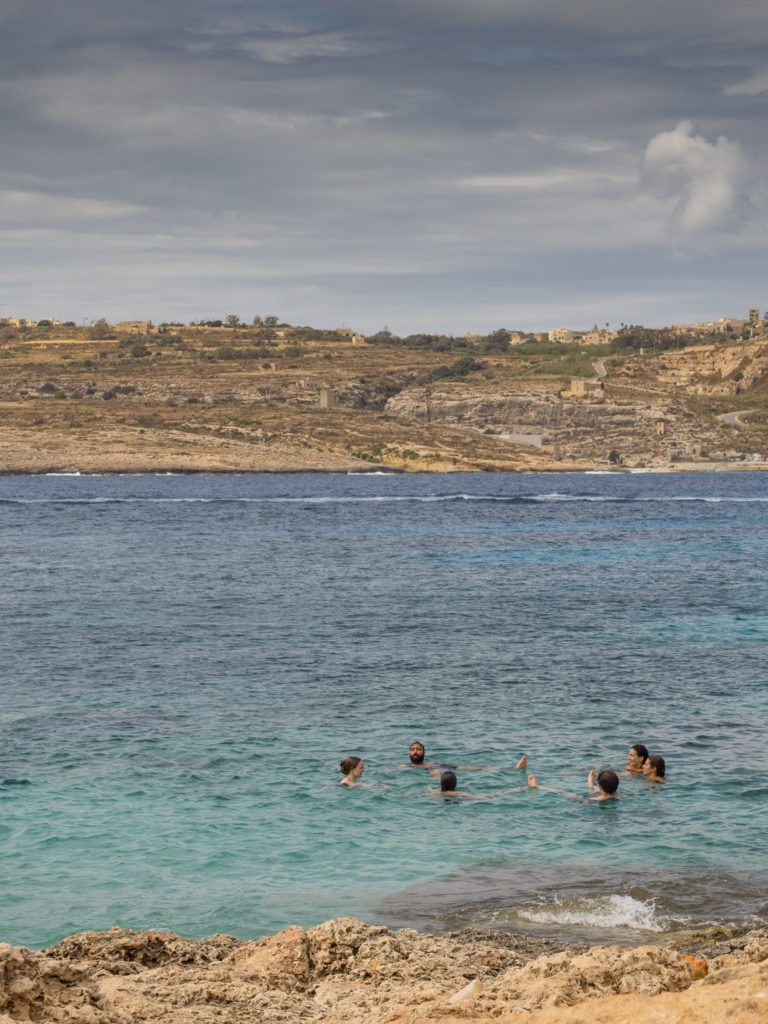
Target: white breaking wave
[598,912]
[571,497]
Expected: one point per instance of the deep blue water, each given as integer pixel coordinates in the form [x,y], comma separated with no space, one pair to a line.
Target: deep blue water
[184,660]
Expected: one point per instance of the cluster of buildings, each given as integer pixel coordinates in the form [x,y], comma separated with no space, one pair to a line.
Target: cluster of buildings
[597,336]
[753,324]
[20,321]
[726,325]
[515,337]
[145,327]
[124,327]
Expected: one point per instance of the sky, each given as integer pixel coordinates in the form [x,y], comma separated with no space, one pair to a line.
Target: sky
[425,165]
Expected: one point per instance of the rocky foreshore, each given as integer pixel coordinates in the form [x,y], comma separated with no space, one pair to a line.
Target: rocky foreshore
[345,972]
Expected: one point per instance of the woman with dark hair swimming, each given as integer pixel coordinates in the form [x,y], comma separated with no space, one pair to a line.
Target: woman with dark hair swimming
[655,769]
[351,768]
[636,758]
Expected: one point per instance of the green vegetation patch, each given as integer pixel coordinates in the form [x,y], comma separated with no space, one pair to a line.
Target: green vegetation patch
[575,363]
[460,368]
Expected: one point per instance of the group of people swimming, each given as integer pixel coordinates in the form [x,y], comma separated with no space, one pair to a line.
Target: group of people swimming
[603,784]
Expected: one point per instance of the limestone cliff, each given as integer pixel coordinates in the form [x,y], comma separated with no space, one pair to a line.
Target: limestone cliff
[715,369]
[626,421]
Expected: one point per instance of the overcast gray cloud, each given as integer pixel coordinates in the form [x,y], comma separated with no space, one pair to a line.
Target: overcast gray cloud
[421,163]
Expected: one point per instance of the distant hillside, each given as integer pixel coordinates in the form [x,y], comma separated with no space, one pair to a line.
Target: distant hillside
[236,398]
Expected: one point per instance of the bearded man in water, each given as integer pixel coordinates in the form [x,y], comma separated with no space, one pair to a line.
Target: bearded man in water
[416,755]
[417,758]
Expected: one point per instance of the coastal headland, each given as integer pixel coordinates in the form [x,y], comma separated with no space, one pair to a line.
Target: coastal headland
[246,399]
[347,972]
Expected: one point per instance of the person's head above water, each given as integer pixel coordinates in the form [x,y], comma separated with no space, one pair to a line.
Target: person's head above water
[448,782]
[416,752]
[637,756]
[351,766]
[608,781]
[655,767]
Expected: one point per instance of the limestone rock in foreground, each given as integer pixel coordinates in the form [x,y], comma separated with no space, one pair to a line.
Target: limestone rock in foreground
[121,950]
[349,971]
[564,980]
[346,972]
[34,987]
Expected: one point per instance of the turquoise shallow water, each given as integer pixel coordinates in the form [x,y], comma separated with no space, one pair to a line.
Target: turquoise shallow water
[185,659]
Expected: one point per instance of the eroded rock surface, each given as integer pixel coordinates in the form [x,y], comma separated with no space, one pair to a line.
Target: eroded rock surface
[346,972]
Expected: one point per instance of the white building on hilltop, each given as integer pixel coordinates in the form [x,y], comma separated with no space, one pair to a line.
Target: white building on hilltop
[562,335]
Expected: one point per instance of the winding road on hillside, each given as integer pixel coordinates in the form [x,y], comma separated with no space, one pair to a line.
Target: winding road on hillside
[731,419]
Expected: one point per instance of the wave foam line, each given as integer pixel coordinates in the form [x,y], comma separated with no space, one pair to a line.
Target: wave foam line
[383,498]
[614,911]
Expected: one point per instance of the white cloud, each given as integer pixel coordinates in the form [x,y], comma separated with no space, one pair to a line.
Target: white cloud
[287,49]
[754,86]
[24,206]
[542,180]
[705,179]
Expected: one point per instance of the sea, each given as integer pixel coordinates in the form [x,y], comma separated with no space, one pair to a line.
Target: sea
[184,660]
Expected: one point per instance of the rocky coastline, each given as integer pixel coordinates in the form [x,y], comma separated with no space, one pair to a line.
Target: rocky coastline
[347,972]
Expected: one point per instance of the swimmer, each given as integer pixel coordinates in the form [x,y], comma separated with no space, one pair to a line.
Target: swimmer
[351,768]
[636,758]
[417,759]
[448,783]
[655,769]
[605,782]
[416,755]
